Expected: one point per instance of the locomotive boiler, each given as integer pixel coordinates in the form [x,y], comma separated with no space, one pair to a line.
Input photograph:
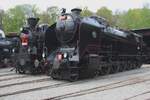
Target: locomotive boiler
[90,47]
[33,52]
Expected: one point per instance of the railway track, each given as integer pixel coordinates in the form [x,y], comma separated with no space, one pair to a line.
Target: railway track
[7,74]
[26,82]
[22,80]
[101,88]
[16,77]
[33,89]
[3,70]
[61,85]
[138,95]
[11,77]
[47,84]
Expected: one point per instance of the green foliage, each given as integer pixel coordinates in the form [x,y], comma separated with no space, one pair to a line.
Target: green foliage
[50,15]
[135,18]
[1,18]
[53,14]
[15,18]
[105,13]
[44,18]
[86,12]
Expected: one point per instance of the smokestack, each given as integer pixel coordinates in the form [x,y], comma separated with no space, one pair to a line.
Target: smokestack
[76,11]
[33,21]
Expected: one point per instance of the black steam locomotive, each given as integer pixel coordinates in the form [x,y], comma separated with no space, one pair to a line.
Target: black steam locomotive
[32,52]
[7,48]
[90,47]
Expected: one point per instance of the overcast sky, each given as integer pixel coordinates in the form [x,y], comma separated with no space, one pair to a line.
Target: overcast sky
[93,5]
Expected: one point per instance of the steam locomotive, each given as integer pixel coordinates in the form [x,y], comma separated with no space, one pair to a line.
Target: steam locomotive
[7,47]
[88,47]
[32,54]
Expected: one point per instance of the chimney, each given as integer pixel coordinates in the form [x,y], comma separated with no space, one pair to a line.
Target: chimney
[32,21]
[76,11]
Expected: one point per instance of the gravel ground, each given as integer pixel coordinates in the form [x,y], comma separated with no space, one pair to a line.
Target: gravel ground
[21,80]
[122,93]
[11,76]
[3,70]
[129,85]
[6,73]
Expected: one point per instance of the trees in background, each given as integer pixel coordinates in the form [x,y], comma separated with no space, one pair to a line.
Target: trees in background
[135,18]
[15,18]
[105,13]
[1,18]
[86,12]
[53,14]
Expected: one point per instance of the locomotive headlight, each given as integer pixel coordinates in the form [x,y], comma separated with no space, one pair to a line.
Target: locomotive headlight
[65,55]
[43,55]
[36,63]
[5,61]
[13,50]
[22,62]
[138,48]
[59,57]
[29,50]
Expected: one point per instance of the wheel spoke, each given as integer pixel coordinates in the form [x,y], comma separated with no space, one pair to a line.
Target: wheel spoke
[74,78]
[114,69]
[121,68]
[105,70]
